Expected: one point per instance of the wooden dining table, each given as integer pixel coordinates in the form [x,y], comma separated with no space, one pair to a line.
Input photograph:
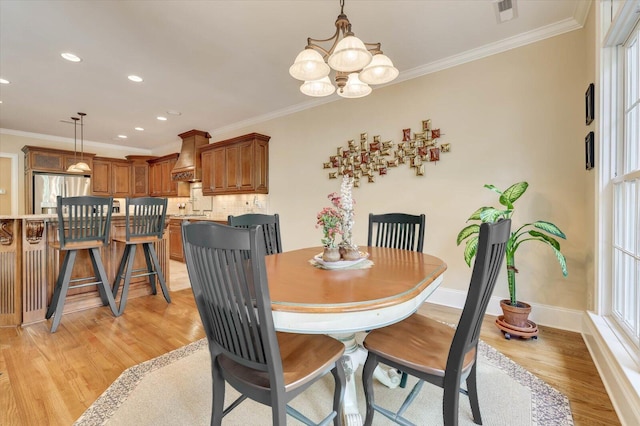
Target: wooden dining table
[387,287]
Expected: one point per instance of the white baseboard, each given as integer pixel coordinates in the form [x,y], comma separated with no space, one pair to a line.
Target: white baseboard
[552,316]
[618,369]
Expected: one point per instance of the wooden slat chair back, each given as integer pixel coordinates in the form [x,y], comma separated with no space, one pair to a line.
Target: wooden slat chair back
[270,228]
[228,277]
[83,224]
[144,225]
[396,230]
[145,217]
[438,353]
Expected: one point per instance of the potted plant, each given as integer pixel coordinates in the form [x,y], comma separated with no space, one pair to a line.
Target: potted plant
[541,231]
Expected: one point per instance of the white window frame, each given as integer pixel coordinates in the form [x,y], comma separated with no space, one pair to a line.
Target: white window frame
[614,353]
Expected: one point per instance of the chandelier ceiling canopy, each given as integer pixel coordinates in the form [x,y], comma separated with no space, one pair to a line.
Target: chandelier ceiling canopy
[357,64]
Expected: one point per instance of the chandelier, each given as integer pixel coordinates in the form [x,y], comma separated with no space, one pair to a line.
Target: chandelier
[357,64]
[80,166]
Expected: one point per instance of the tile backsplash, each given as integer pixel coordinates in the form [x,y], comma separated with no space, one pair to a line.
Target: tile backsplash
[219,206]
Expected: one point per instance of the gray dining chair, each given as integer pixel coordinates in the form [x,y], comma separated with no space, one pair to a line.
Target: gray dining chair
[270,228]
[83,224]
[144,225]
[397,230]
[435,352]
[226,266]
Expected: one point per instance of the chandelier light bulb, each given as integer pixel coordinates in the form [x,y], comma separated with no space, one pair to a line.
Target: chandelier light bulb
[309,65]
[349,55]
[379,71]
[354,88]
[318,88]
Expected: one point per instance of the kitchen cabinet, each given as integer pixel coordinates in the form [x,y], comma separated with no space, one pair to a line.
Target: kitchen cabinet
[139,174]
[160,182]
[175,240]
[236,166]
[111,177]
[52,160]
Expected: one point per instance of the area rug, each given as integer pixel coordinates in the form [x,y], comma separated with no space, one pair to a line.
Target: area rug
[175,389]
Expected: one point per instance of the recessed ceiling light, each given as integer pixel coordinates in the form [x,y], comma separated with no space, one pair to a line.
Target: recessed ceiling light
[174,112]
[162,118]
[140,129]
[135,78]
[3,81]
[70,57]
[122,136]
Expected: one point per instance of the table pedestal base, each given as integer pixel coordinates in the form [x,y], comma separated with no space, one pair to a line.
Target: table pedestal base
[354,356]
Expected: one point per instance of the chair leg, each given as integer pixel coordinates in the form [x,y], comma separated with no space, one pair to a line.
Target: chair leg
[403,380]
[367,383]
[57,289]
[154,257]
[338,393]
[130,260]
[121,266]
[150,269]
[217,404]
[450,400]
[64,288]
[103,287]
[279,413]
[472,390]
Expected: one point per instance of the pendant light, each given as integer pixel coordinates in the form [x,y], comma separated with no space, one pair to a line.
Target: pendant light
[81,165]
[72,168]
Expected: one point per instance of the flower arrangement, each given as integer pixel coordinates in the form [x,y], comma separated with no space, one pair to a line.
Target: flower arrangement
[338,219]
[331,222]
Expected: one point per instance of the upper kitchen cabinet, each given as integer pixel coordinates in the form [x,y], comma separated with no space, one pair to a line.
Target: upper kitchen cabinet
[111,177]
[160,182]
[40,159]
[236,166]
[139,174]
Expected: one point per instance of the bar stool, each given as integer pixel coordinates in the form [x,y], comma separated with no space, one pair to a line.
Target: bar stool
[144,224]
[83,224]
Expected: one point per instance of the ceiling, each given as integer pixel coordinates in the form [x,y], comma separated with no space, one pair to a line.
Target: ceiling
[222,64]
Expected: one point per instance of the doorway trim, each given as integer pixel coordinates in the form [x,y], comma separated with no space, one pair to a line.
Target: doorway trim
[14,181]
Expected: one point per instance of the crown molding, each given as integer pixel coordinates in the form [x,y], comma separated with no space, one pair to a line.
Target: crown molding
[70,141]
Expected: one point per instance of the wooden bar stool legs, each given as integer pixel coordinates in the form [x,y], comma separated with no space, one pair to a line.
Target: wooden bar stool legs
[64,283]
[126,272]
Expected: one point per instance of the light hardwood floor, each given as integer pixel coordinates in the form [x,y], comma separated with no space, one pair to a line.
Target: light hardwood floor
[50,379]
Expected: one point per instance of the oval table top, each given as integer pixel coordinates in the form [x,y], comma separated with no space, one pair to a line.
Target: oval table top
[308,299]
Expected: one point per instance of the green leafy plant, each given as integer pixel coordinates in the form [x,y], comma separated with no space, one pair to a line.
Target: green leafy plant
[540,230]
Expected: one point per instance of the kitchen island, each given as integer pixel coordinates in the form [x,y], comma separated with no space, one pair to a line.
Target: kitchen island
[29,267]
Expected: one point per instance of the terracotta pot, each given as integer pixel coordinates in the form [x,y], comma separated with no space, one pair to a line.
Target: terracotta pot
[515,315]
[331,254]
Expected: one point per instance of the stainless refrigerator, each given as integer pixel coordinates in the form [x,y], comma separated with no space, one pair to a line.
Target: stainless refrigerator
[47,187]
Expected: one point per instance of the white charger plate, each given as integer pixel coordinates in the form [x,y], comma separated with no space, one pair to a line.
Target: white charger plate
[340,264]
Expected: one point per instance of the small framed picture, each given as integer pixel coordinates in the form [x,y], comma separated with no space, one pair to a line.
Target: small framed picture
[589,104]
[588,151]
[406,134]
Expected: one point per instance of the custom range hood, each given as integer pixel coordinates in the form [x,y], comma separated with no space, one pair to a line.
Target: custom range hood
[187,168]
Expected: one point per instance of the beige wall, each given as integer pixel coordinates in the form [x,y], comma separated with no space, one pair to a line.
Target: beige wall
[514,116]
[5,185]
